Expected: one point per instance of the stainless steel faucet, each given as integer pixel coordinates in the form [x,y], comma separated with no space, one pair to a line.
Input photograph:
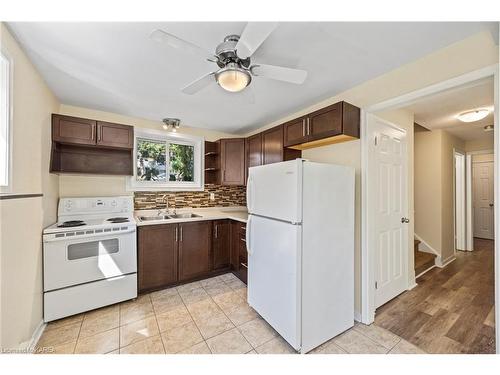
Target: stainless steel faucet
[164,198]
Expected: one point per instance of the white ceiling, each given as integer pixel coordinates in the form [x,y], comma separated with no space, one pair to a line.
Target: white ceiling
[116,67]
[440,111]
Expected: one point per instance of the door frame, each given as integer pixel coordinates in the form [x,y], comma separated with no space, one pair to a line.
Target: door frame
[367,314]
[463,199]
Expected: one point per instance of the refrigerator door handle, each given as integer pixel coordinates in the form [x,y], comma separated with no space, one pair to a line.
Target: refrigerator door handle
[247,235]
[249,193]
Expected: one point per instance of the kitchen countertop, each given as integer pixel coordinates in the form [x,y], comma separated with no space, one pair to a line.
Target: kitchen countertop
[238,213]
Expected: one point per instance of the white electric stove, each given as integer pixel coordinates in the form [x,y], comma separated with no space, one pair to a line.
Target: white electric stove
[89,256]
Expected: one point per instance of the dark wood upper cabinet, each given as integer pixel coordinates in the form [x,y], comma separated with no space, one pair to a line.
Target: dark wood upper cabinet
[338,122]
[221,244]
[232,161]
[115,135]
[73,130]
[157,256]
[194,249]
[294,131]
[253,149]
[88,146]
[272,145]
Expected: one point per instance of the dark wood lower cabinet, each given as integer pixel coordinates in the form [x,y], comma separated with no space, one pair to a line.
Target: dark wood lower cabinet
[221,244]
[157,253]
[194,249]
[170,254]
[239,257]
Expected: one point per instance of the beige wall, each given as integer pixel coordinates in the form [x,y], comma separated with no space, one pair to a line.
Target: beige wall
[22,220]
[480,144]
[81,186]
[434,180]
[427,187]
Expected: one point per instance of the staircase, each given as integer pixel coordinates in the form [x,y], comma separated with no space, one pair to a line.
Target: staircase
[423,261]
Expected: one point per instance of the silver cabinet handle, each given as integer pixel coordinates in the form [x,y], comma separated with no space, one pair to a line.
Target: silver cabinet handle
[176,237]
[181,233]
[405,220]
[244,265]
[216,231]
[308,126]
[303,127]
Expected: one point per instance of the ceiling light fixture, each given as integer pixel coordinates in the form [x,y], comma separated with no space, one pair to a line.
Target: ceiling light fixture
[488,128]
[475,115]
[172,123]
[233,78]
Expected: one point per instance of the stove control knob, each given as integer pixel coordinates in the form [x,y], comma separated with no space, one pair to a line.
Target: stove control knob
[113,203]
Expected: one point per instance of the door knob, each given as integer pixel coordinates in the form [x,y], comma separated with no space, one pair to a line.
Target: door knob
[405,220]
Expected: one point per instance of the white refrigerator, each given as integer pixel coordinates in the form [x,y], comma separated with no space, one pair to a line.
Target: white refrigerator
[300,243]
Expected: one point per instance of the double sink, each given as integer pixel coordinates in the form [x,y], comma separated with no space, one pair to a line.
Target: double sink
[184,215]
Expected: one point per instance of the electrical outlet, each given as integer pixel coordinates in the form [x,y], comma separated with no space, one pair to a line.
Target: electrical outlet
[212,196]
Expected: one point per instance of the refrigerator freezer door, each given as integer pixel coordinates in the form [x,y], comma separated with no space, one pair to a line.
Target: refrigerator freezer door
[274,275]
[275,191]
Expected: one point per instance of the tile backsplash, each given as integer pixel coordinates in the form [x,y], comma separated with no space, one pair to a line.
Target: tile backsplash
[224,196]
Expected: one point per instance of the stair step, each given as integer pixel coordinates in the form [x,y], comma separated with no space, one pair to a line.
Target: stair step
[423,261]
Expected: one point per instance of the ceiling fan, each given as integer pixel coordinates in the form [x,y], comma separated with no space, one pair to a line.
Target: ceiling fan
[233,57]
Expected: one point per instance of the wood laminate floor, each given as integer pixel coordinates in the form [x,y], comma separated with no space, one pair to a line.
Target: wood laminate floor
[452,308]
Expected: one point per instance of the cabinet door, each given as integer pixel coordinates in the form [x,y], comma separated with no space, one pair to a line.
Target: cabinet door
[157,253]
[115,135]
[232,152]
[194,249]
[295,132]
[73,130]
[272,145]
[254,151]
[326,122]
[221,244]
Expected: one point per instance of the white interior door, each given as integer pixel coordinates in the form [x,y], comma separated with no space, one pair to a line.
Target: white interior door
[482,175]
[460,234]
[388,170]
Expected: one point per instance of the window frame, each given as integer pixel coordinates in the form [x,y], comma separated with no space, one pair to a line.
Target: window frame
[9,74]
[168,137]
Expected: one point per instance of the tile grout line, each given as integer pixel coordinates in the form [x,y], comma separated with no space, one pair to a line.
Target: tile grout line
[192,319]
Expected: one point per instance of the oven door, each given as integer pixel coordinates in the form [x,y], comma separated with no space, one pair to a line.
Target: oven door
[82,260]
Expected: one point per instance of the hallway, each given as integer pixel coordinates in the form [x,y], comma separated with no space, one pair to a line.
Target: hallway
[452,309]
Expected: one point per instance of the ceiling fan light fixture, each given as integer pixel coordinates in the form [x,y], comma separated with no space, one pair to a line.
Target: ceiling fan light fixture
[233,78]
[472,116]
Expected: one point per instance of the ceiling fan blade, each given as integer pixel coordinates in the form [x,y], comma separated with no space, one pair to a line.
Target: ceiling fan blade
[199,84]
[279,73]
[176,42]
[252,37]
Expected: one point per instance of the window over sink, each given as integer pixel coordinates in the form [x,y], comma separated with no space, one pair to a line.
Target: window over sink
[167,161]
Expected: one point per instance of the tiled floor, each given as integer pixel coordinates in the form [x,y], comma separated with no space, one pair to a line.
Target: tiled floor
[208,316]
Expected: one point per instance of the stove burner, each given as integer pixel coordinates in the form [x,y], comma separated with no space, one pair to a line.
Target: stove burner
[71,223]
[118,220]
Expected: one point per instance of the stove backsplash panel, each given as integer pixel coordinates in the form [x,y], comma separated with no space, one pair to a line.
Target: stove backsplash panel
[224,196]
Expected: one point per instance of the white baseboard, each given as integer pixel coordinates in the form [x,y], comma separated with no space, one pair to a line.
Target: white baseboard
[441,264]
[30,345]
[411,286]
[357,316]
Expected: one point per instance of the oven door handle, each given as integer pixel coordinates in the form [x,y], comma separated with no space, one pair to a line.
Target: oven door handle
[52,236]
